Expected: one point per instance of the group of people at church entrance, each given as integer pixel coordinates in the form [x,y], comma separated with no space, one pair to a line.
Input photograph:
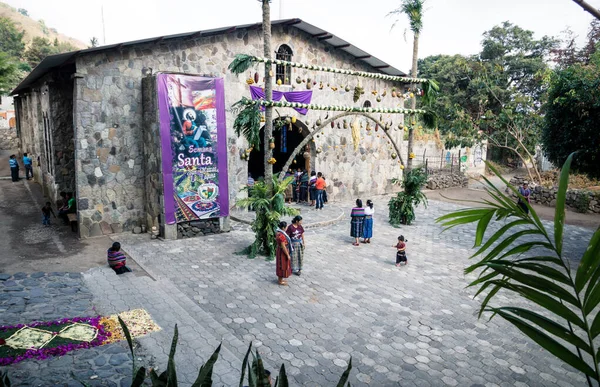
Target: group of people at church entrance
[289,255]
[305,188]
[14,167]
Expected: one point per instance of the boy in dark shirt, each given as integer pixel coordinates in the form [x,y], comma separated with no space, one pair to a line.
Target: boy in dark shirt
[46,211]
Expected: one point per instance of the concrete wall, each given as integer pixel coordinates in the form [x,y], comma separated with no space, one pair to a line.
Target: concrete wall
[108,117]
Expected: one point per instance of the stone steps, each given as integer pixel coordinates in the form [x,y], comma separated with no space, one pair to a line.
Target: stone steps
[199,333]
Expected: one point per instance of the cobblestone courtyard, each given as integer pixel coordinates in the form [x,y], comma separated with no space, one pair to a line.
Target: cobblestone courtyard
[407,326]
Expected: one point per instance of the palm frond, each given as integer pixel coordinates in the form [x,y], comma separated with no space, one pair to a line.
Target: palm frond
[413,9]
[522,258]
[431,90]
[247,121]
[241,63]
[430,119]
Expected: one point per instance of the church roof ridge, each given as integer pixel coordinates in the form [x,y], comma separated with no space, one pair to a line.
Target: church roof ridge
[58,60]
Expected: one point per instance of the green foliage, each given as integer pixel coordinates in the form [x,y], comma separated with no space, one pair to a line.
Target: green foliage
[247,121]
[23,11]
[269,208]
[582,203]
[402,207]
[562,315]
[9,74]
[489,94]
[571,117]
[240,63]
[4,380]
[41,48]
[11,38]
[257,375]
[44,27]
[93,42]
[414,10]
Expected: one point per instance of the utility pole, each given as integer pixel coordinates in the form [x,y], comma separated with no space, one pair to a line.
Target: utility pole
[103,27]
[280,9]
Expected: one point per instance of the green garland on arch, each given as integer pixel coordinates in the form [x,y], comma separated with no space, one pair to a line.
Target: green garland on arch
[334,108]
[243,62]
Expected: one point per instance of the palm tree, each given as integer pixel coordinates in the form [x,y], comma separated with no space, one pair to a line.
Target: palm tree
[413,9]
[94,42]
[266,25]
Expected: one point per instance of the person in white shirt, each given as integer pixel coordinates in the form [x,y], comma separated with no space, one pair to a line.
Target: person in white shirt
[368,223]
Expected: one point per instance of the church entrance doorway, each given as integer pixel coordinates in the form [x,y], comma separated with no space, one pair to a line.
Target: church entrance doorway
[286,139]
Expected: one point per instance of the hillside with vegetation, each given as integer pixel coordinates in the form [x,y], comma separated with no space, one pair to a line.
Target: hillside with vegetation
[24,43]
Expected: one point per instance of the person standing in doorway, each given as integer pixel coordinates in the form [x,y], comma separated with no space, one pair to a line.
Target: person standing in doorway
[14,168]
[368,225]
[283,267]
[28,164]
[312,190]
[320,188]
[356,224]
[304,187]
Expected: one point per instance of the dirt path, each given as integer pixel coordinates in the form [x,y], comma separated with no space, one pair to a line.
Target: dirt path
[459,195]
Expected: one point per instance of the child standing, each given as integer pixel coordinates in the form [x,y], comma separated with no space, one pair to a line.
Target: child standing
[46,211]
[401,251]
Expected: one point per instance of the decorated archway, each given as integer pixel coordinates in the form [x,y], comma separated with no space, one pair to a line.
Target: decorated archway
[325,124]
[288,134]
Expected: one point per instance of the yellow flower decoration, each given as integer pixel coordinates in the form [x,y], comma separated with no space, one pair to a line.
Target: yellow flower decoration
[411,156]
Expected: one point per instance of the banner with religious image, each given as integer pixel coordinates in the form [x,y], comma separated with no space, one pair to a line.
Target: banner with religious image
[194,147]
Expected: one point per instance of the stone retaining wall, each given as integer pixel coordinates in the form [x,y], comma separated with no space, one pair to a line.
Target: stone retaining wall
[447,180]
[9,139]
[578,200]
[198,228]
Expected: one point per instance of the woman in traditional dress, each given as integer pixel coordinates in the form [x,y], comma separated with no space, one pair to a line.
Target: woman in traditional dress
[283,269]
[526,193]
[296,233]
[356,224]
[368,224]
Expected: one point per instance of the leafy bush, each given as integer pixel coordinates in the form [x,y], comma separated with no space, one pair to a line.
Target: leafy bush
[269,210]
[572,116]
[582,203]
[402,207]
[544,278]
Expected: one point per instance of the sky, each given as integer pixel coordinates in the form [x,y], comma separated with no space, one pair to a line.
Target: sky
[450,26]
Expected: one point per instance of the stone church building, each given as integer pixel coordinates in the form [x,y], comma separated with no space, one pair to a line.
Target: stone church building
[82,117]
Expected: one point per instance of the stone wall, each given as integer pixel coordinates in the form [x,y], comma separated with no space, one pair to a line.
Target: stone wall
[441,180]
[9,139]
[198,228]
[577,200]
[108,116]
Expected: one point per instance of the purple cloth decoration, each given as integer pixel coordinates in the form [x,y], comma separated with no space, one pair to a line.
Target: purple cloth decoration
[290,96]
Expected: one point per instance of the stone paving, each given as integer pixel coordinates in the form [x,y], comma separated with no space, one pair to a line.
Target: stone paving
[330,214]
[50,296]
[408,326]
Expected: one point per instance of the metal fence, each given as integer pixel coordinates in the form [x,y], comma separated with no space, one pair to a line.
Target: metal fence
[445,162]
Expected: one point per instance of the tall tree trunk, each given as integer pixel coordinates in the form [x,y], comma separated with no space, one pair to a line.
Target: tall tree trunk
[413,102]
[266,11]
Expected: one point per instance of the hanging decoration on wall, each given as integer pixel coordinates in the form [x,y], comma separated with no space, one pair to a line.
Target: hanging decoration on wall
[304,97]
[284,141]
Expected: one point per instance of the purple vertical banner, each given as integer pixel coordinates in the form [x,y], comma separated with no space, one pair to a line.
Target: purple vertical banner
[194,147]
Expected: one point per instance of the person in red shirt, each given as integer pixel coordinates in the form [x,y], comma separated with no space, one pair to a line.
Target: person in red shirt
[320,186]
[401,251]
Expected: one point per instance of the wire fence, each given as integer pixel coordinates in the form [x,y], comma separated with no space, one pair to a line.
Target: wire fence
[445,162]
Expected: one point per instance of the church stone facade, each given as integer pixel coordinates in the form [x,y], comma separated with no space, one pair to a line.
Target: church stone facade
[82,119]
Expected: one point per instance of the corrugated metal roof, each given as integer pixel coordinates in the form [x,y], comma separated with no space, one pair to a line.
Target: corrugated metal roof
[59,60]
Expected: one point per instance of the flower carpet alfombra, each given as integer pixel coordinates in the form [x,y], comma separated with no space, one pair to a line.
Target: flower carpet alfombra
[40,340]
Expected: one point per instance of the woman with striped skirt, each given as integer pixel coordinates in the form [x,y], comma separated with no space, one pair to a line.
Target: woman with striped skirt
[357,221]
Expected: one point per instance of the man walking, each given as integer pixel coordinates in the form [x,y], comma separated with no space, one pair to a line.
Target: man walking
[28,166]
[14,168]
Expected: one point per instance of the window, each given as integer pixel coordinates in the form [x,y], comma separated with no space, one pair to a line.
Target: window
[367,104]
[48,148]
[284,72]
